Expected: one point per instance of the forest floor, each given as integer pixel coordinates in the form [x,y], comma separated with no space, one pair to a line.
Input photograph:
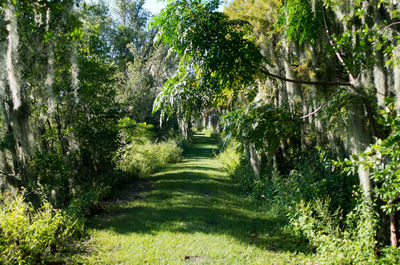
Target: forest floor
[188,213]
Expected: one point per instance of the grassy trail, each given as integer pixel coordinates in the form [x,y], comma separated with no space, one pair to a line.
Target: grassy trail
[191,215]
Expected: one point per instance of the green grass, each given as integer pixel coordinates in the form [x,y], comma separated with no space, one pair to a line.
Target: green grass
[189,214]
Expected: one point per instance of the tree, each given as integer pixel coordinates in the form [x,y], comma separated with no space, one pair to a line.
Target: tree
[60,117]
[129,31]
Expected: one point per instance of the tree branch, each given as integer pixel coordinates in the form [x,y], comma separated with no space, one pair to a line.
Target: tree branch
[332,43]
[320,107]
[6,174]
[321,83]
[392,24]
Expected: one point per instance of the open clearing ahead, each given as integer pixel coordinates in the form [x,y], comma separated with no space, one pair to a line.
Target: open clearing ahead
[188,213]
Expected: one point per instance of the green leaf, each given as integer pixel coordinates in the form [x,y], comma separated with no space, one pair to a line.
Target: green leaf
[355,157]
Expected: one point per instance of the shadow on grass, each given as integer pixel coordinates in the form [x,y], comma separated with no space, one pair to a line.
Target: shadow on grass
[184,200]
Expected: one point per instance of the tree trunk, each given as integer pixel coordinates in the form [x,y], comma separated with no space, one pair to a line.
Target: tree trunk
[359,139]
[289,74]
[183,126]
[50,70]
[74,72]
[255,160]
[394,231]
[396,72]
[18,107]
[379,71]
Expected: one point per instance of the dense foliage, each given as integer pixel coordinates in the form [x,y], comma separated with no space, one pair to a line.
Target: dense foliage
[77,84]
[33,236]
[312,95]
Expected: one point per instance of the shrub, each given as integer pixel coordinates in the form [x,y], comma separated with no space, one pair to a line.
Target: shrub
[208,132]
[314,175]
[176,136]
[132,131]
[235,164]
[53,172]
[216,136]
[182,141]
[352,244]
[31,236]
[143,159]
[390,255]
[83,203]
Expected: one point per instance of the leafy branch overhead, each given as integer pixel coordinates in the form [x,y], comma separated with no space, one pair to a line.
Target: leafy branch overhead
[216,54]
[265,126]
[218,57]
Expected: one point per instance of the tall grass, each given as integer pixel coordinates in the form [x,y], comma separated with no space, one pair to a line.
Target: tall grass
[142,159]
[230,159]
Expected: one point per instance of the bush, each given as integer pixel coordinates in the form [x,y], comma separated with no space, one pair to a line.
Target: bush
[53,172]
[176,136]
[390,255]
[180,140]
[352,244]
[31,236]
[215,136]
[314,175]
[83,203]
[143,159]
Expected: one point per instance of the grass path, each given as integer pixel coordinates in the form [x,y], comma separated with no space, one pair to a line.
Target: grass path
[191,215]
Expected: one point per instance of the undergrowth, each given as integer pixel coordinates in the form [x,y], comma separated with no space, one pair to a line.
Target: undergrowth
[33,236]
[314,195]
[33,231]
[352,242]
[143,159]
